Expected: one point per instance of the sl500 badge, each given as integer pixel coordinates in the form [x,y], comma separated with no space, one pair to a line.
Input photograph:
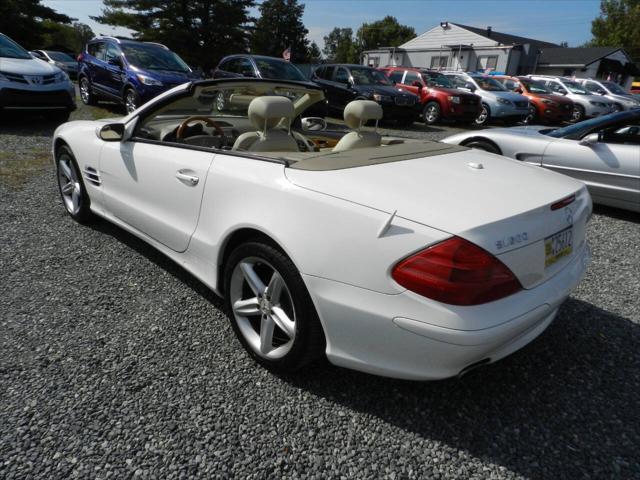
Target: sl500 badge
[511,240]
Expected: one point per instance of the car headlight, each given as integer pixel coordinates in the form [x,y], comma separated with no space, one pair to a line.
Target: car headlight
[381,98]
[149,81]
[61,77]
[549,102]
[504,101]
[454,99]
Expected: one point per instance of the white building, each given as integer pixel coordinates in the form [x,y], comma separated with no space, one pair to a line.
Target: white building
[455,46]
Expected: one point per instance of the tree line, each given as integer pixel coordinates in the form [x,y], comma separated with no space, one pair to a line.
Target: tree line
[204,31]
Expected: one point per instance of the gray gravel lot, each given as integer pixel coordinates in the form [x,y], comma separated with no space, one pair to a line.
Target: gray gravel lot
[115,363]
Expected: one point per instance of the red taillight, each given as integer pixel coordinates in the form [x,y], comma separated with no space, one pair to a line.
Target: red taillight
[456,272]
[563,203]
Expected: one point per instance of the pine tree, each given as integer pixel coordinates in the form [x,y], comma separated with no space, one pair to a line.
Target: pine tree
[280,27]
[23,21]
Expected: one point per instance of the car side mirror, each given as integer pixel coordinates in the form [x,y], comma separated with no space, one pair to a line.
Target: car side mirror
[112,132]
[591,139]
[314,124]
[416,83]
[115,61]
[470,86]
[518,90]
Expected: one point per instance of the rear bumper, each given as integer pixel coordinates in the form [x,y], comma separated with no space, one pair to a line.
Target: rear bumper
[35,100]
[408,336]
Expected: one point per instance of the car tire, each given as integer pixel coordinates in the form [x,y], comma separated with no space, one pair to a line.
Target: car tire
[578,114]
[431,113]
[532,116]
[483,145]
[131,100]
[86,95]
[71,186]
[270,309]
[484,116]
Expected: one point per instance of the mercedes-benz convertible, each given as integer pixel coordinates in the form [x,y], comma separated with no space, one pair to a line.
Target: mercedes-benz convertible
[404,258]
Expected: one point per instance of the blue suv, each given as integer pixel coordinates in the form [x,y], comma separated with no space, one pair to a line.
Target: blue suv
[128,71]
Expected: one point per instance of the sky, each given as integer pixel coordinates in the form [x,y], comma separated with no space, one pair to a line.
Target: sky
[549,20]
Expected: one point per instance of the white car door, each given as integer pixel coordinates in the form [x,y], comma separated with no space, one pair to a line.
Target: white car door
[155,188]
[610,167]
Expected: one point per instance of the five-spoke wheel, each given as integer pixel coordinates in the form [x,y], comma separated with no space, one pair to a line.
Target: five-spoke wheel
[72,191]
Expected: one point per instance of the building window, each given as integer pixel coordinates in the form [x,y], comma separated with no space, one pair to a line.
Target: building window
[439,62]
[487,62]
[373,62]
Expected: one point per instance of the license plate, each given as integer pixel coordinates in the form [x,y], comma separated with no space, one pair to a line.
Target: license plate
[557,246]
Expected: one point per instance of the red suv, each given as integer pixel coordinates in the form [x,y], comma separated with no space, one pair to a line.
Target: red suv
[438,97]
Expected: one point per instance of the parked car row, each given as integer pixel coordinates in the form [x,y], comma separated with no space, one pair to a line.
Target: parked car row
[63,61]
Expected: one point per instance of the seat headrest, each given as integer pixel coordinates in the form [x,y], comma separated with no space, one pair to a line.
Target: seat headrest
[269,111]
[358,112]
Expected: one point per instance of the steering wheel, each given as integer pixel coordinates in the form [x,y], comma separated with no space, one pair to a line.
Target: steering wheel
[198,118]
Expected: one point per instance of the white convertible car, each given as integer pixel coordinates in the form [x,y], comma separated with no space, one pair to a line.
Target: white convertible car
[409,259]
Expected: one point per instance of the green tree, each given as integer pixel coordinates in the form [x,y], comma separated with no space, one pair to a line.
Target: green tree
[200,31]
[23,21]
[340,47]
[69,37]
[384,33]
[618,26]
[280,27]
[315,55]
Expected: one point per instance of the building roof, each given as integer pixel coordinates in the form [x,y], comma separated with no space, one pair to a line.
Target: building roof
[504,38]
[580,56]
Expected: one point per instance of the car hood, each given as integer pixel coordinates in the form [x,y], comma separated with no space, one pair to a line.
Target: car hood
[624,98]
[452,193]
[30,66]
[514,97]
[169,77]
[382,90]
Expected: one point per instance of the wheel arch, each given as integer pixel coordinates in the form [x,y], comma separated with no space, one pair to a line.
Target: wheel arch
[467,141]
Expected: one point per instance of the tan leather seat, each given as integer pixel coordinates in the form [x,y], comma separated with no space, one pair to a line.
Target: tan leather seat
[265,113]
[356,114]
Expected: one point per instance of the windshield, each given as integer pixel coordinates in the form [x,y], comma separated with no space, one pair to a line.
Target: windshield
[275,69]
[368,76]
[489,84]
[60,57]
[574,87]
[152,57]
[534,87]
[439,79]
[614,88]
[10,49]
[579,129]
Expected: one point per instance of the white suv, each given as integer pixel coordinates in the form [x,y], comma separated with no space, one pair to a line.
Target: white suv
[611,91]
[586,105]
[28,84]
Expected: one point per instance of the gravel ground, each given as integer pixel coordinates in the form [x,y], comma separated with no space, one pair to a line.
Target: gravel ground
[114,363]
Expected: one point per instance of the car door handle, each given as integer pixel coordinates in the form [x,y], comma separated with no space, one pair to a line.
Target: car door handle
[187,179]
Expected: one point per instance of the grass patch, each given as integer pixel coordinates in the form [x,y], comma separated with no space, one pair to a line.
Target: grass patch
[16,168]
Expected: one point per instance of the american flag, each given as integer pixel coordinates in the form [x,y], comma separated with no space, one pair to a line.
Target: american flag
[287,54]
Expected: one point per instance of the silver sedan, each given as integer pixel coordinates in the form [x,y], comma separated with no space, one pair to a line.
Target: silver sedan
[603,152]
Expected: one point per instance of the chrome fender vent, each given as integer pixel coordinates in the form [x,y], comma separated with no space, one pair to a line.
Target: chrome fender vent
[92,176]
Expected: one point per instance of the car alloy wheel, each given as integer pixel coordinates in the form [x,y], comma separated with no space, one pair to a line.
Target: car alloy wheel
[263,308]
[531,116]
[577,114]
[130,101]
[431,113]
[74,196]
[85,91]
[484,116]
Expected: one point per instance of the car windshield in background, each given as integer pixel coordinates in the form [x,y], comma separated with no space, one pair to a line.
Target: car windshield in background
[60,57]
[151,57]
[275,69]
[615,88]
[576,88]
[578,130]
[368,76]
[535,87]
[10,49]
[489,84]
[438,79]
